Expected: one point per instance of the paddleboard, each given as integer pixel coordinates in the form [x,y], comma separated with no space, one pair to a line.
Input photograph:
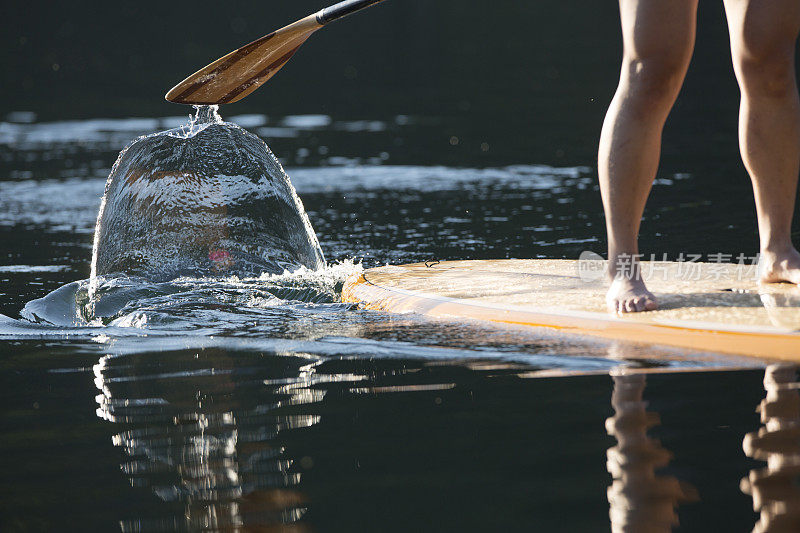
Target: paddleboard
[712,307]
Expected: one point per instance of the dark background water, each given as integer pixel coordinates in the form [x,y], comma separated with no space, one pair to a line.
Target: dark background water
[528,82]
[531,79]
[450,130]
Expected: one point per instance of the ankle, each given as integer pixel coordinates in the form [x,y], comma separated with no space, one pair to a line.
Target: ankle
[774,240]
[779,249]
[622,265]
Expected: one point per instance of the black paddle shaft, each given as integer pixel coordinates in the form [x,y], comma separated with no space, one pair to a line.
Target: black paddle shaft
[342,9]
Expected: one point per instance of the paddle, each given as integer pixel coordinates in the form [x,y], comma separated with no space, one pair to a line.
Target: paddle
[234,76]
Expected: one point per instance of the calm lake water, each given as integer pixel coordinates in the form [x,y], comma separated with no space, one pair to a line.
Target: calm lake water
[231,404]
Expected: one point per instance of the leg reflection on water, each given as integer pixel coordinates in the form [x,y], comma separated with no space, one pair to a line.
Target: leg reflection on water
[202,433]
[776,488]
[639,499]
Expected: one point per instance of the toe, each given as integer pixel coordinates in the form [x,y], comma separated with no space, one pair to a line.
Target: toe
[613,306]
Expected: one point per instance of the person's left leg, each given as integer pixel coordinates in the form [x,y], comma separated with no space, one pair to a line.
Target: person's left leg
[763,41]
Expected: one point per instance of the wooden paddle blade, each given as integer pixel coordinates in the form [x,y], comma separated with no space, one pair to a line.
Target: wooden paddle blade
[234,76]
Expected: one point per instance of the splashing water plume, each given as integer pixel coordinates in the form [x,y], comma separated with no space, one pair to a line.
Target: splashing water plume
[208,198]
[266,268]
[204,116]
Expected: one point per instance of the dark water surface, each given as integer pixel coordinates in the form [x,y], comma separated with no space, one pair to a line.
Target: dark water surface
[266,404]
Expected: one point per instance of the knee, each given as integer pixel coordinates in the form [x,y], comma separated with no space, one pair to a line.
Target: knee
[764,65]
[656,78]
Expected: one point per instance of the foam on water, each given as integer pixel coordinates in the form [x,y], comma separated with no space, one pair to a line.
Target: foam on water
[214,305]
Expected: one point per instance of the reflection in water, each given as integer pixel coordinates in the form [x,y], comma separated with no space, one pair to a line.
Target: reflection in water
[783,308]
[776,488]
[204,435]
[639,499]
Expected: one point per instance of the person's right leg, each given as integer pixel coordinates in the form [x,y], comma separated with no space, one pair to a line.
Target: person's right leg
[763,44]
[658,39]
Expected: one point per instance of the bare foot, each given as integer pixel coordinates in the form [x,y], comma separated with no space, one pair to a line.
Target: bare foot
[630,296]
[781,266]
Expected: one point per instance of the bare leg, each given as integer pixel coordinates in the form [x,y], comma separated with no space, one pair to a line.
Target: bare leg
[763,40]
[658,39]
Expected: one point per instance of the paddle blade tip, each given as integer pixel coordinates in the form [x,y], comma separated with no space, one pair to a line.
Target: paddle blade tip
[179,94]
[239,73]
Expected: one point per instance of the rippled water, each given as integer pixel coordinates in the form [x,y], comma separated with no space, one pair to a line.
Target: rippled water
[226,402]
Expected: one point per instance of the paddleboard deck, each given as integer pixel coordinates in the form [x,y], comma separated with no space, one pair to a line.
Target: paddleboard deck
[715,307]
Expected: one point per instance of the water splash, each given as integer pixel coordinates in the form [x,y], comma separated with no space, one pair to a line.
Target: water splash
[204,116]
[205,199]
